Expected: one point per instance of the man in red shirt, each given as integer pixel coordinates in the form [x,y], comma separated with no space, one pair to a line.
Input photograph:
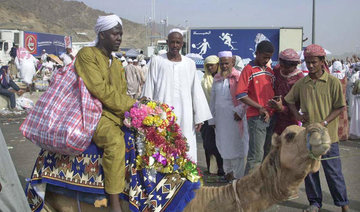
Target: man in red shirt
[255,89]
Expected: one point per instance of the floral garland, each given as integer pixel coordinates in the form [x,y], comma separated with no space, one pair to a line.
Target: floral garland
[160,145]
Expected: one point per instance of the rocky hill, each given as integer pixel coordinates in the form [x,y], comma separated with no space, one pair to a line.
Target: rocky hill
[63,17]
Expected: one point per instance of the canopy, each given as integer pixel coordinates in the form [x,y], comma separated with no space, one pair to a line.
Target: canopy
[131,53]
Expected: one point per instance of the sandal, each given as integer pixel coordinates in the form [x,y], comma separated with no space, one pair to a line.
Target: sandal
[312,208]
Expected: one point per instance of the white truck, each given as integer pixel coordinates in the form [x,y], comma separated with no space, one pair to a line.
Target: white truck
[34,42]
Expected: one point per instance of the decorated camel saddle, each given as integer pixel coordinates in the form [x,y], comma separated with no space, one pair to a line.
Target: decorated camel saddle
[159,176]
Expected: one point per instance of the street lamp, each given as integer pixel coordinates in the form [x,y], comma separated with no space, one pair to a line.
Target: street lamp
[313,23]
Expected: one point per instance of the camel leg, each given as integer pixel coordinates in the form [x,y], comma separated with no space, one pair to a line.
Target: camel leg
[59,203]
[62,203]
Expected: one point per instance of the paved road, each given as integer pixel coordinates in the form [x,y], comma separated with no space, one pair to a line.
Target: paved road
[24,154]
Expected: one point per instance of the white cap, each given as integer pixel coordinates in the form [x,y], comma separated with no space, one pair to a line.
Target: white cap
[143,62]
[135,60]
[225,54]
[176,30]
[130,60]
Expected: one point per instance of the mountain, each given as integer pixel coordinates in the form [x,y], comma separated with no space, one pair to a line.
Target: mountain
[63,17]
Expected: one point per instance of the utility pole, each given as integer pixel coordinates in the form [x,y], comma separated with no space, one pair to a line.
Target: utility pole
[313,23]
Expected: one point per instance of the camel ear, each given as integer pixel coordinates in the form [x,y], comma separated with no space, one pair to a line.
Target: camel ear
[290,136]
[275,140]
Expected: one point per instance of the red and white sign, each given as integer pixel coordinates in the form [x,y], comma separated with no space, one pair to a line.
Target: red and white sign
[31,43]
[67,40]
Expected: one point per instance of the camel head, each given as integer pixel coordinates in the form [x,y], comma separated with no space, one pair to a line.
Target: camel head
[300,147]
[294,154]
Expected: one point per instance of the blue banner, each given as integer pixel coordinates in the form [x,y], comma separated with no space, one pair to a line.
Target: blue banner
[35,42]
[241,42]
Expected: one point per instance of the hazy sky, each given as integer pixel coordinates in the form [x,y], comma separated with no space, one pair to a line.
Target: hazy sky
[337,21]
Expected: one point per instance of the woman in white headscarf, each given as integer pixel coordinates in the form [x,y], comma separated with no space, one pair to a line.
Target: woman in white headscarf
[338,70]
[355,105]
[211,67]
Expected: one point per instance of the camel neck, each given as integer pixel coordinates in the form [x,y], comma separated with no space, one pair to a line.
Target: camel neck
[213,199]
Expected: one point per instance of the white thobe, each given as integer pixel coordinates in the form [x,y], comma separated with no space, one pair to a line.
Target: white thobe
[133,79]
[44,57]
[177,84]
[26,68]
[229,141]
[354,131]
[65,58]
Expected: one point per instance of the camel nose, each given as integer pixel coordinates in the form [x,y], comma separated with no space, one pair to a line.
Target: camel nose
[318,150]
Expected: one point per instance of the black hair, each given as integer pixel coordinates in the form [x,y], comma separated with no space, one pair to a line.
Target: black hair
[265,47]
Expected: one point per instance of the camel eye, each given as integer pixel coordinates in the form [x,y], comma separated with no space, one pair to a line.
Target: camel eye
[290,136]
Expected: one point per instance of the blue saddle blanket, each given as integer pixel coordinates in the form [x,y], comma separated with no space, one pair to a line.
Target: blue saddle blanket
[84,174]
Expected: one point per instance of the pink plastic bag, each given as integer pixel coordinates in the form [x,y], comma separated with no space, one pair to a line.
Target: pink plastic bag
[65,117]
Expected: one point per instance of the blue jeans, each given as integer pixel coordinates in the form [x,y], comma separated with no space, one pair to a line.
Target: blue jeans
[9,94]
[334,179]
[260,134]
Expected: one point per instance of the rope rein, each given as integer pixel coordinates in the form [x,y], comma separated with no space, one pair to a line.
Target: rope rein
[238,204]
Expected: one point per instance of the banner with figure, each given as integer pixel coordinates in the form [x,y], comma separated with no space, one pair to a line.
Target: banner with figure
[241,41]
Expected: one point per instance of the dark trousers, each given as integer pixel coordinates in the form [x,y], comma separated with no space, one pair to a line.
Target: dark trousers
[9,94]
[334,178]
[209,144]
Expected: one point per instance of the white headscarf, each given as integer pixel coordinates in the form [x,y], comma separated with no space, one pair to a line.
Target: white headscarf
[239,65]
[338,70]
[104,23]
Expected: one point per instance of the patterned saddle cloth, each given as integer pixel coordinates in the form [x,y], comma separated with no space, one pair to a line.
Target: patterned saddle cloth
[84,174]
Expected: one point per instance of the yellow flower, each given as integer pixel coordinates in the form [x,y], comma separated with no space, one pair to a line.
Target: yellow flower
[157,121]
[151,104]
[162,132]
[148,121]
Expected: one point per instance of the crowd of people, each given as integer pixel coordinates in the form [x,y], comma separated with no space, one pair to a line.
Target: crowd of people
[273,99]
[25,73]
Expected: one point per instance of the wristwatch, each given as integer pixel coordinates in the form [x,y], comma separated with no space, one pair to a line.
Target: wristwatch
[325,123]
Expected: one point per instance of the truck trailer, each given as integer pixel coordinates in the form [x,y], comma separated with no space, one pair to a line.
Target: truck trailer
[242,41]
[34,42]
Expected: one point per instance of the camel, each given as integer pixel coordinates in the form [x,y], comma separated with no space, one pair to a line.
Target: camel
[275,180]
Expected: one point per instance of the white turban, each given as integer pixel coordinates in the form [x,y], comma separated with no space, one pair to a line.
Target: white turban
[175,30]
[104,23]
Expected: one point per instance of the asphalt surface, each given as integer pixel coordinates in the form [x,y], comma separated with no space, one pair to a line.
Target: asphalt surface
[24,153]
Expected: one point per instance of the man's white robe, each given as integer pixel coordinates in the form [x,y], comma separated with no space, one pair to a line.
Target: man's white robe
[231,143]
[177,84]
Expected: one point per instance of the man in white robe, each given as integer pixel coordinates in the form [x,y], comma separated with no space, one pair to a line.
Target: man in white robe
[67,56]
[229,117]
[172,79]
[134,80]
